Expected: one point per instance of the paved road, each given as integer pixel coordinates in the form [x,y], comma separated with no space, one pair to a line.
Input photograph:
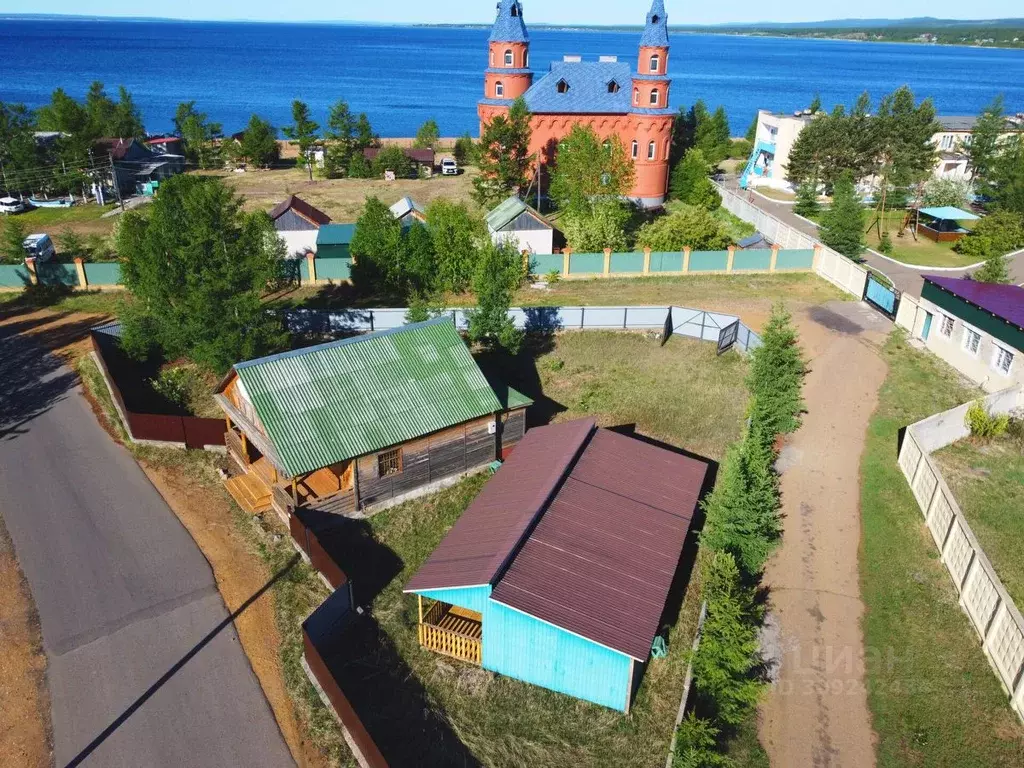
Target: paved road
[123,592]
[907,278]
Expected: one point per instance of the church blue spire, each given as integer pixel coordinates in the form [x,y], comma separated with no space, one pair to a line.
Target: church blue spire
[656,32]
[509,27]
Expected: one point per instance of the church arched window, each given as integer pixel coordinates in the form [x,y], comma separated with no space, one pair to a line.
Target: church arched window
[508,58]
[655,63]
[499,89]
[636,96]
[652,151]
[636,149]
[655,95]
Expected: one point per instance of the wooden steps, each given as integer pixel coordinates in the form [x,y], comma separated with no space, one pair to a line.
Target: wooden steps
[252,494]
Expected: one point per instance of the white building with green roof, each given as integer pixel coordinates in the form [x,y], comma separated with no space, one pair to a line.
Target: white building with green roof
[364,422]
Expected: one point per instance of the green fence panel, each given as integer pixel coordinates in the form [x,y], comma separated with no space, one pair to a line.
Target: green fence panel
[333,269]
[627,262]
[709,261]
[666,261]
[542,263]
[14,276]
[103,273]
[795,259]
[55,273]
[586,264]
[755,258]
[303,271]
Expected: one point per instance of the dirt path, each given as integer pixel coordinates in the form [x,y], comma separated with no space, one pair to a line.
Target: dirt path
[816,713]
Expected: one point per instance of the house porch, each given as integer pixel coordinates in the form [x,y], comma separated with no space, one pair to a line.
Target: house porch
[452,631]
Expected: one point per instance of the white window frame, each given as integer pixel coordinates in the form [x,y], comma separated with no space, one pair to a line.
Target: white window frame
[652,151]
[509,58]
[998,354]
[942,325]
[965,343]
[499,90]
[636,149]
[636,97]
[655,97]
[526,59]
[655,63]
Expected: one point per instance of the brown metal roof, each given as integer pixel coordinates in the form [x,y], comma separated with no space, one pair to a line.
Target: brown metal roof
[423,156]
[301,207]
[490,530]
[601,559]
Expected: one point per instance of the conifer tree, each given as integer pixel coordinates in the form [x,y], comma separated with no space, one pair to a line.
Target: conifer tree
[807,199]
[498,275]
[427,136]
[504,156]
[340,137]
[842,225]
[303,134]
[775,380]
[995,270]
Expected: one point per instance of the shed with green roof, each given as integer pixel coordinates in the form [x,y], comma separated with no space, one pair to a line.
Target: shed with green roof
[366,420]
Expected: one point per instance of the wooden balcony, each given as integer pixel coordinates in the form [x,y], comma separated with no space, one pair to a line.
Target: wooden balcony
[452,631]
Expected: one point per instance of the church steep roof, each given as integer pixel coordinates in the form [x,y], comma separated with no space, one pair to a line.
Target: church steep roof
[586,89]
[656,30]
[509,26]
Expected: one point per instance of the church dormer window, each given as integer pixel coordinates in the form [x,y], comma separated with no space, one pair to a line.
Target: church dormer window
[613,87]
[562,87]
[655,19]
[655,63]
[655,96]
[499,89]
[515,10]
[508,58]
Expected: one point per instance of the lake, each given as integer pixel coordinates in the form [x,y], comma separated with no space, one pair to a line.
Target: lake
[400,76]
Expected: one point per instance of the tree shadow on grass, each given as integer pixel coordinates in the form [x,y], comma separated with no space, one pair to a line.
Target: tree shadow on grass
[520,372]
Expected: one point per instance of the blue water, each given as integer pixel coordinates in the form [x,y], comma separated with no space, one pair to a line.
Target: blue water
[401,76]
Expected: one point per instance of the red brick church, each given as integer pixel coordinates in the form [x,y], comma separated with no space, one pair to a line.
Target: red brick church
[604,94]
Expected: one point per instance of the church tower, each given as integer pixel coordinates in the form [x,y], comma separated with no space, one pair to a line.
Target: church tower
[508,74]
[651,83]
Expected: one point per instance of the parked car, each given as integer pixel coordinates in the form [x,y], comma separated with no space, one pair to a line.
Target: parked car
[40,246]
[11,205]
[449,167]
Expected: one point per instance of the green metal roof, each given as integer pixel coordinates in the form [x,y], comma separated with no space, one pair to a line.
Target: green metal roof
[335,234]
[337,401]
[505,213]
[949,213]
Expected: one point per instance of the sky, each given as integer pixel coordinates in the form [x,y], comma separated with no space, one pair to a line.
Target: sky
[547,11]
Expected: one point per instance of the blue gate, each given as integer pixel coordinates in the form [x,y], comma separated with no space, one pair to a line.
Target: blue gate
[882,297]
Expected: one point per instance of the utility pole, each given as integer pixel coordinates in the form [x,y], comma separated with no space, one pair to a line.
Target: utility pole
[113,175]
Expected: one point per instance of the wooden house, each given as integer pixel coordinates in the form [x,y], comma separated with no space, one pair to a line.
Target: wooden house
[364,422]
[298,224]
[409,212]
[559,572]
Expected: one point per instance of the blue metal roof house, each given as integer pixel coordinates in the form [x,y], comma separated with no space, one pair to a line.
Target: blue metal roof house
[558,573]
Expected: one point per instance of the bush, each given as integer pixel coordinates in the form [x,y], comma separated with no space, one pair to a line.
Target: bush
[686,226]
[179,385]
[996,234]
[984,424]
[602,226]
[940,192]
[696,742]
[885,244]
[553,277]
[393,158]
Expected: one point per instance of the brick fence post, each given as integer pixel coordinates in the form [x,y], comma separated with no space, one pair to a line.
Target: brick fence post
[566,257]
[30,265]
[732,258]
[686,259]
[311,263]
[647,261]
[83,282]
[607,262]
[775,259]
[816,261]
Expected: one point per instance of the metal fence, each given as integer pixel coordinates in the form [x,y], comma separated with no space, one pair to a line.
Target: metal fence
[984,599]
[832,266]
[683,321]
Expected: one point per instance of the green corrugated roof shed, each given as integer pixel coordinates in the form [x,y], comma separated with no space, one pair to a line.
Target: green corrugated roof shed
[337,401]
[505,213]
[335,234]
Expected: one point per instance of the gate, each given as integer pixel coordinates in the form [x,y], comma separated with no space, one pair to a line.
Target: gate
[884,298]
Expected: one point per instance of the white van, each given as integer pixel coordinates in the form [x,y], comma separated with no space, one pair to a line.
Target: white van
[40,246]
[11,205]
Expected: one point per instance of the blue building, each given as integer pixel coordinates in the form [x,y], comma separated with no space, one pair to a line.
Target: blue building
[559,572]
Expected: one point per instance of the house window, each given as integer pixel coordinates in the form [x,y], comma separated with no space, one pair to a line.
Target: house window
[652,151]
[946,329]
[499,89]
[636,96]
[636,149]
[508,58]
[1002,361]
[655,63]
[563,87]
[389,462]
[972,341]
[655,95]
[947,141]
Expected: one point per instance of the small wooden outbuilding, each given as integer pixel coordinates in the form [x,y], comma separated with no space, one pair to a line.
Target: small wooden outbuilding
[364,422]
[559,572]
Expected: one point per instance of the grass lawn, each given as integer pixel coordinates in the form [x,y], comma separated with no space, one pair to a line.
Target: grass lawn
[83,219]
[775,194]
[988,481]
[933,696]
[920,251]
[61,300]
[343,199]
[682,394]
